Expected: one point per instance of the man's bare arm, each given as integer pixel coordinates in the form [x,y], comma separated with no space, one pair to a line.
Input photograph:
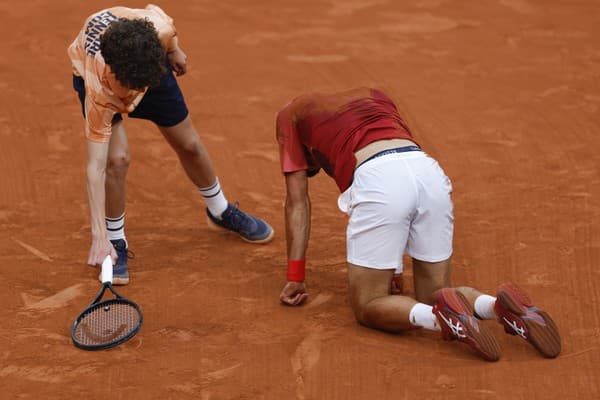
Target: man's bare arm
[297,214]
[297,222]
[96,177]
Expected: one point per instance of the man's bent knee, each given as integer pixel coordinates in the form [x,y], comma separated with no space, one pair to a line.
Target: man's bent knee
[118,164]
[190,148]
[360,313]
[360,317]
[365,285]
[365,315]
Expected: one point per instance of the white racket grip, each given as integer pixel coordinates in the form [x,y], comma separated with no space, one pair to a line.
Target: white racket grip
[107,269]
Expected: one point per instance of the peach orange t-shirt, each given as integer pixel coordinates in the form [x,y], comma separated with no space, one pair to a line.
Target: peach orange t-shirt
[104,95]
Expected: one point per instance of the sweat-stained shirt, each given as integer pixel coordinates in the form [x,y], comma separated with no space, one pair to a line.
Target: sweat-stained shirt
[317,131]
[104,95]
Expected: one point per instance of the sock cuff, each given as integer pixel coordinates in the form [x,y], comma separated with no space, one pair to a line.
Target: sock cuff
[422,315]
[115,219]
[484,307]
[212,190]
[214,198]
[115,227]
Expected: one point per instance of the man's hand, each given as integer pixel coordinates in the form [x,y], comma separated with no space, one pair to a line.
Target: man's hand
[293,294]
[397,286]
[99,250]
[177,60]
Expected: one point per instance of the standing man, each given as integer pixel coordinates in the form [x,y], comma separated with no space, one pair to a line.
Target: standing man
[397,198]
[123,62]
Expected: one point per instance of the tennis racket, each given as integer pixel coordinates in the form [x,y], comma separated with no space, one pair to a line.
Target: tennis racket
[108,323]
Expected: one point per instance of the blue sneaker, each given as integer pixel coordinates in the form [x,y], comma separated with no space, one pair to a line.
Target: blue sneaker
[251,229]
[120,270]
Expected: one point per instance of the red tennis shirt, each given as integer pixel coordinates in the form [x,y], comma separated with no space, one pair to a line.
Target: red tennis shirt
[317,131]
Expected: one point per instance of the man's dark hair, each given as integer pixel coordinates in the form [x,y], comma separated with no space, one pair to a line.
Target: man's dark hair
[133,51]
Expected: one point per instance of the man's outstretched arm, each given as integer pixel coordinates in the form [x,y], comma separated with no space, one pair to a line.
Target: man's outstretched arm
[297,222]
[96,177]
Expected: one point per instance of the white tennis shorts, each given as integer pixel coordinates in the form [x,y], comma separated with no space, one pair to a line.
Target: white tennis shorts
[398,202]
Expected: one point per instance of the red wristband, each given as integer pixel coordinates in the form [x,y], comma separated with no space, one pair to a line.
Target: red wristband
[295,272]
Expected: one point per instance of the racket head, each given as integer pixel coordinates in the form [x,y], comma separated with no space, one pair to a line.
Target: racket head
[106,324]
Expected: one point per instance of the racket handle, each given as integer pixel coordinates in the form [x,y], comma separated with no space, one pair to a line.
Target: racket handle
[107,269]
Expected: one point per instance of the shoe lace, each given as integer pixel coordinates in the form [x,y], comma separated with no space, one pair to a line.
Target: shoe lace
[237,218]
[122,249]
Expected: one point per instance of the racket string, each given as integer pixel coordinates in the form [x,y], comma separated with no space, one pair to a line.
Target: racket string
[107,322]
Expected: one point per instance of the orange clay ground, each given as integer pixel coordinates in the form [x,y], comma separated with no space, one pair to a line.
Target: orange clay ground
[504,93]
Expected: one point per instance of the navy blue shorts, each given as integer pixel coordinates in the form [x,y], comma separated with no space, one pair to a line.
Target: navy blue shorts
[163,104]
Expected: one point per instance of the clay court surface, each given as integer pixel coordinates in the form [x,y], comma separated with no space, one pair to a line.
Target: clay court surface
[504,93]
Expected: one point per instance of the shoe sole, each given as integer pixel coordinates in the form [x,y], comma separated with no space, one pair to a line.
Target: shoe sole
[545,338]
[117,281]
[120,281]
[478,338]
[218,228]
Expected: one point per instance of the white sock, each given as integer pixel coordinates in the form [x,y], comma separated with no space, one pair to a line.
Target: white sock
[484,307]
[115,227]
[422,315]
[214,198]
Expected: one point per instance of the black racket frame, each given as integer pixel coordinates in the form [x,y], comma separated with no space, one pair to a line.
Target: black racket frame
[95,304]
